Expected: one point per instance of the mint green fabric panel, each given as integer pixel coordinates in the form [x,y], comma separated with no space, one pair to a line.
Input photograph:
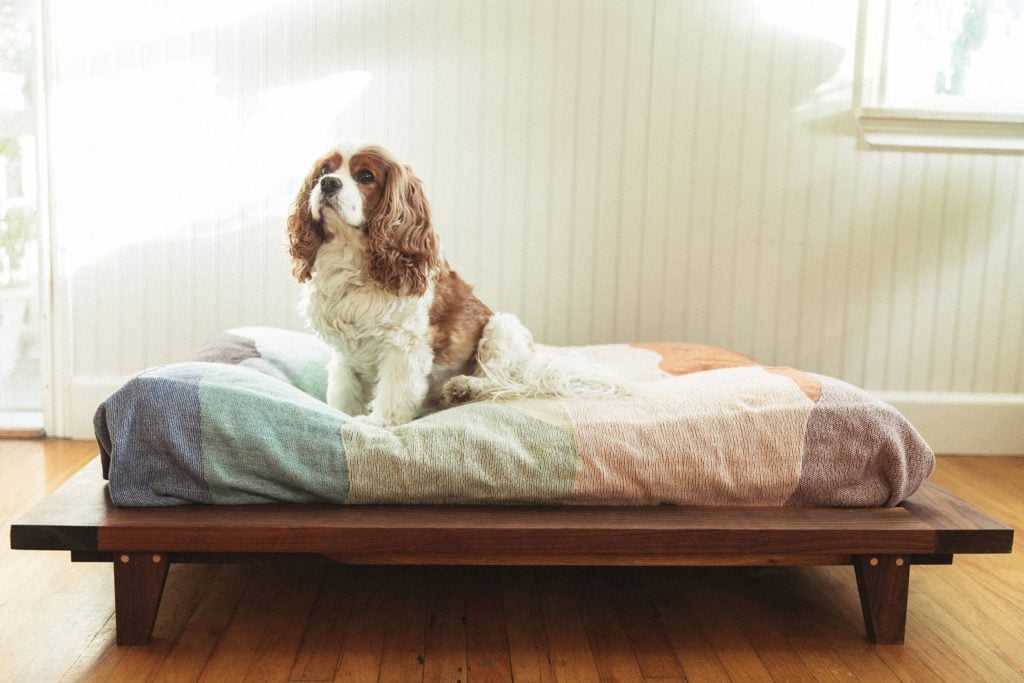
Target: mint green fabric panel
[298,358]
[264,441]
[311,377]
[486,452]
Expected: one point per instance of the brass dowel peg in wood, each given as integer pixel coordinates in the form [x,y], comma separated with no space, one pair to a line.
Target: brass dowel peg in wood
[125,559]
[874,562]
[899,561]
[157,558]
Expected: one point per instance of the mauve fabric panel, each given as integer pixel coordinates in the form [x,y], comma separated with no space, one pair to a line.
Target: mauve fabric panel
[859,451]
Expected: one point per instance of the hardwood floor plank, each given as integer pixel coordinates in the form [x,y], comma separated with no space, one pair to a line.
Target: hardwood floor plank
[862,660]
[194,647]
[406,626]
[996,484]
[444,656]
[236,650]
[320,649]
[71,616]
[724,630]
[907,663]
[613,653]
[689,641]
[960,640]
[98,647]
[640,621]
[981,609]
[525,628]
[363,644]
[286,621]
[820,661]
[771,626]
[487,650]
[568,647]
[792,605]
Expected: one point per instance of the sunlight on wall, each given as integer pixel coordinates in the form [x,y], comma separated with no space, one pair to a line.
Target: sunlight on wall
[829,21]
[834,22]
[152,137]
[102,26]
[149,152]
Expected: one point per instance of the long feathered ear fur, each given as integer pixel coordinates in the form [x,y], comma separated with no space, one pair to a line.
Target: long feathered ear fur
[402,245]
[305,234]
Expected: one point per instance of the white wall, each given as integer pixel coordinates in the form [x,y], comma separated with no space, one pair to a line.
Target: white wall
[609,170]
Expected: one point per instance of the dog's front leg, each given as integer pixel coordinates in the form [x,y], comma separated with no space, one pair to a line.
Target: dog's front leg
[346,389]
[402,382]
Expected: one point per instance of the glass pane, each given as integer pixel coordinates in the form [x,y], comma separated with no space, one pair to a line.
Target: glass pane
[20,347]
[956,54]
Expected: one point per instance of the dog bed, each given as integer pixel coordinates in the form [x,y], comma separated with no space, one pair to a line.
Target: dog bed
[762,460]
[246,423]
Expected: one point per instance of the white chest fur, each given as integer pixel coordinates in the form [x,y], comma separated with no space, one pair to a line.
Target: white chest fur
[356,316]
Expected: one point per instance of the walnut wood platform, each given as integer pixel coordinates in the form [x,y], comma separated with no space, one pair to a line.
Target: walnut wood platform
[880,543]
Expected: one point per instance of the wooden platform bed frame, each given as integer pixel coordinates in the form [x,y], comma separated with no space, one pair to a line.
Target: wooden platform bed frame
[881,543]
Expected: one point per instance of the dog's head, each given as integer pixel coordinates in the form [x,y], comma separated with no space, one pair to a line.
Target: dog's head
[362,194]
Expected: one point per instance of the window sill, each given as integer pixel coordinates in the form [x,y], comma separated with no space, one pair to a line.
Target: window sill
[961,132]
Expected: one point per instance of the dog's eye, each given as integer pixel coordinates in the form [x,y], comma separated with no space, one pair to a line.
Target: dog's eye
[364,177]
[325,169]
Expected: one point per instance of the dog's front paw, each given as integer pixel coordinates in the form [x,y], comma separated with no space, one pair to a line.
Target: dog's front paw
[383,414]
[371,420]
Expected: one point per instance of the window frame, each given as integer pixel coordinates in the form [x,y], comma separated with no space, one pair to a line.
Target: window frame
[941,129]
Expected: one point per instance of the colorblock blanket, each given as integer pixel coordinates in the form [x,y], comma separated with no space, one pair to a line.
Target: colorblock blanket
[246,423]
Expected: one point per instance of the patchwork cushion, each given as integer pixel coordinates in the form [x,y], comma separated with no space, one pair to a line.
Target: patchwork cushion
[246,422]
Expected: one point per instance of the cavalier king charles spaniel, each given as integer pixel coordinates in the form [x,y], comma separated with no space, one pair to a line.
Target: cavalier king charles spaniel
[407,333]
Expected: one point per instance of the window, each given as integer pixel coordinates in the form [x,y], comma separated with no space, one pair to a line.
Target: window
[941,73]
[21,395]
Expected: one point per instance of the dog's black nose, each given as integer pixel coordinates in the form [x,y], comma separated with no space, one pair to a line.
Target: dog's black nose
[329,184]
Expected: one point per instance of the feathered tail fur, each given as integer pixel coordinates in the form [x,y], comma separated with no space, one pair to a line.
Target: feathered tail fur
[510,365]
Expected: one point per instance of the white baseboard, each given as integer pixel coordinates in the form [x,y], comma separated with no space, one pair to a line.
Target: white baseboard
[951,423]
[964,424]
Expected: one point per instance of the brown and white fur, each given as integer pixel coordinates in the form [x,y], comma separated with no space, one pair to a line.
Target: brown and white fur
[408,334]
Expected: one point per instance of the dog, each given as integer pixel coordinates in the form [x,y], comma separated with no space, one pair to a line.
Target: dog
[407,334]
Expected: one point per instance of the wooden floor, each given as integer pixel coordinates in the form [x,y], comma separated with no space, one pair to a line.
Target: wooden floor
[292,621]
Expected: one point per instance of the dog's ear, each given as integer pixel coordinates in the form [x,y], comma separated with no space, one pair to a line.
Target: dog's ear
[305,233]
[402,246]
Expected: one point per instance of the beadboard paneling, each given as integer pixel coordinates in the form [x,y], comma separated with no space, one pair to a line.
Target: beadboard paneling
[610,170]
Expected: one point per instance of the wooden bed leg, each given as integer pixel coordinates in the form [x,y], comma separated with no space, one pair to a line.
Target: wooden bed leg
[883,582]
[138,586]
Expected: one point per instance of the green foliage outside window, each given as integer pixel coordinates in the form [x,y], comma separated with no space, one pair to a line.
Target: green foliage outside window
[18,222]
[966,25]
